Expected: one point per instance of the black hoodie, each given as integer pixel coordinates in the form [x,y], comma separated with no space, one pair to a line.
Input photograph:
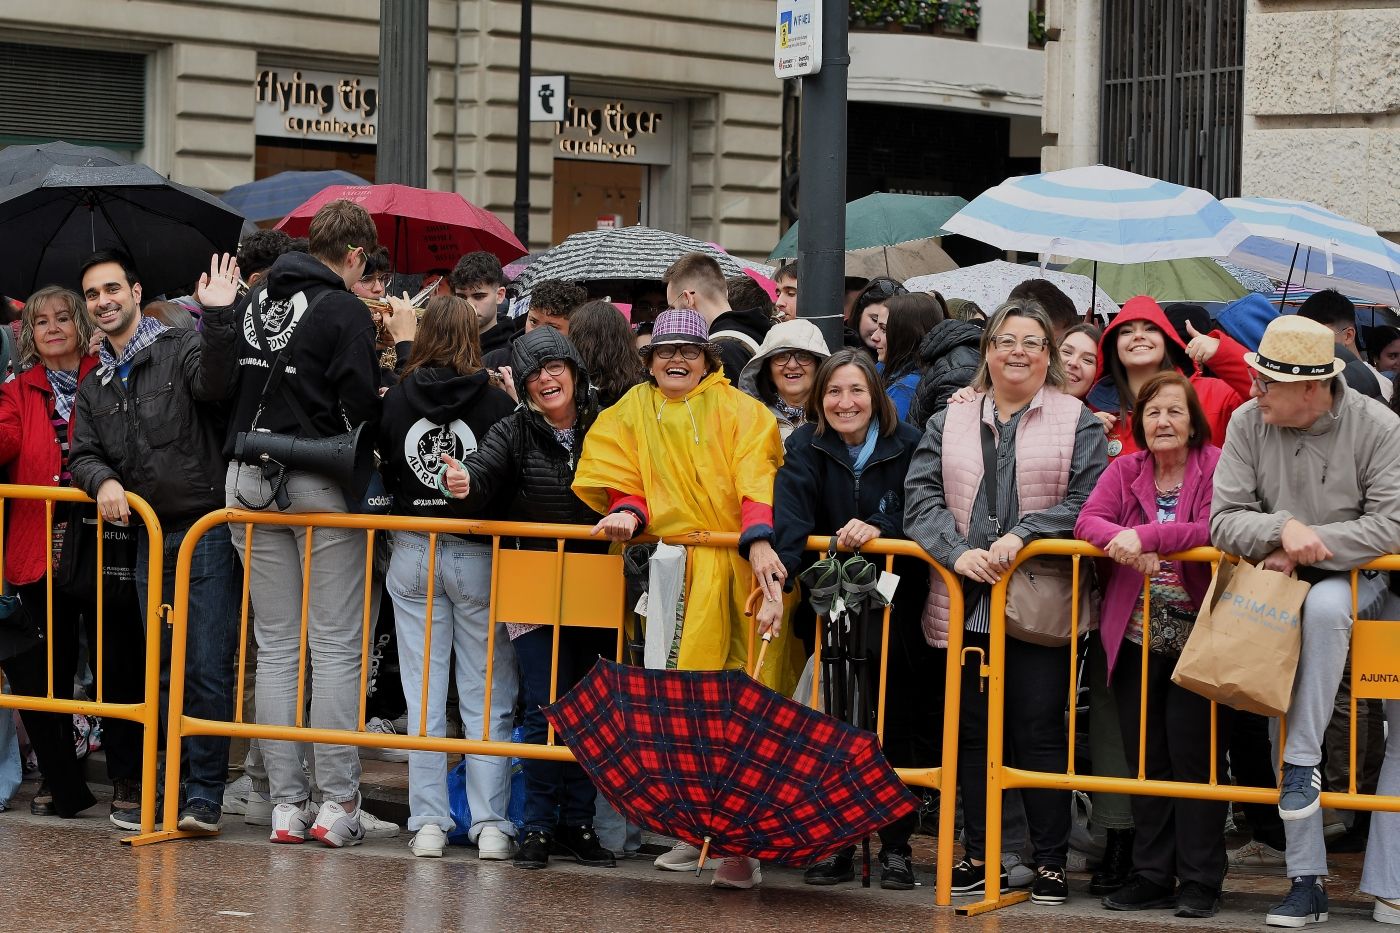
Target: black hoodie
[949,355]
[333,370]
[433,411]
[734,352]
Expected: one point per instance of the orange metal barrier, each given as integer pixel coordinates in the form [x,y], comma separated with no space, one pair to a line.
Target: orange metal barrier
[526,587]
[146,712]
[1001,777]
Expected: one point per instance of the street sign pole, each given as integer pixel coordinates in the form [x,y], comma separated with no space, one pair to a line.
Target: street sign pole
[522,130]
[821,192]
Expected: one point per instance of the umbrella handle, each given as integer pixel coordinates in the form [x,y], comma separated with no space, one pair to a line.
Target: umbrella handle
[750,607]
[704,851]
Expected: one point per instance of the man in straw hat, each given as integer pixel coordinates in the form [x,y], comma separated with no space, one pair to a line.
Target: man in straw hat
[1309,482]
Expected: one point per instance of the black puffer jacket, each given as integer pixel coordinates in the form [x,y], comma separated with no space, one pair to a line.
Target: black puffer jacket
[949,357]
[521,470]
[734,352]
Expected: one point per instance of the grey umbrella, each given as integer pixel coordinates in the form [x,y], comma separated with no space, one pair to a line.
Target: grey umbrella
[18,163]
[49,224]
[626,253]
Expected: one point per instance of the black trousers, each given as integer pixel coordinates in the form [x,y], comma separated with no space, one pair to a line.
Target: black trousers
[914,681]
[1252,765]
[1036,738]
[51,734]
[1176,838]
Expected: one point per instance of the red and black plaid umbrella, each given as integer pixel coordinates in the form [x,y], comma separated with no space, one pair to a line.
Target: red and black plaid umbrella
[715,755]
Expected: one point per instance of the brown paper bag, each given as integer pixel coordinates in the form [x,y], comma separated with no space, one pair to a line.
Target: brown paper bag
[1243,650]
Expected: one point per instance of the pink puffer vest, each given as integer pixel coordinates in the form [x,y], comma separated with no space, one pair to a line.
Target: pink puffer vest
[1044,448]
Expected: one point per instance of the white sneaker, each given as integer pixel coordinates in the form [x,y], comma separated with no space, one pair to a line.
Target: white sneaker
[1386,911]
[493,845]
[336,827]
[1256,856]
[290,823]
[428,842]
[379,726]
[374,827]
[236,796]
[739,874]
[683,857]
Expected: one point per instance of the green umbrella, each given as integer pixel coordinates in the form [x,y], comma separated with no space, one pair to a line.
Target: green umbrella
[1194,280]
[882,219]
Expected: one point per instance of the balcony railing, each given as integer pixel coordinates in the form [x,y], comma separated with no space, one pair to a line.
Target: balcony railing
[957,19]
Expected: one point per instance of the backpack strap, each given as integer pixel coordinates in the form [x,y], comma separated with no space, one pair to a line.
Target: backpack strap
[738,335]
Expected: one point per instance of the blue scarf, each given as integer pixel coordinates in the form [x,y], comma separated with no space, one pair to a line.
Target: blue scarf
[65,386]
[872,434]
[146,333]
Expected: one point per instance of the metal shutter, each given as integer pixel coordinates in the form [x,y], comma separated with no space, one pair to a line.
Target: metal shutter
[78,95]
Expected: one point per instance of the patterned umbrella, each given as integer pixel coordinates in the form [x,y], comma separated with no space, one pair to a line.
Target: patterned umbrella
[624,253]
[717,758]
[988,284]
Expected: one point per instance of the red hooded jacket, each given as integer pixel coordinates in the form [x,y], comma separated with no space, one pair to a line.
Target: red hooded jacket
[1219,397]
[30,456]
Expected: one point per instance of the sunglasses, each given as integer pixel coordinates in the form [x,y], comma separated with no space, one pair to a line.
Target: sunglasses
[880,289]
[690,352]
[800,357]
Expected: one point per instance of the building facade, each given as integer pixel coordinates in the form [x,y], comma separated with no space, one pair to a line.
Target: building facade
[1309,108]
[673,116]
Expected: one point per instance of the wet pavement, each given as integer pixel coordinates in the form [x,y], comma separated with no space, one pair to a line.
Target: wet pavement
[73,874]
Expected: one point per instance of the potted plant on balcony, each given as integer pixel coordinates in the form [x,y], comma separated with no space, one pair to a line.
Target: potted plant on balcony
[959,18]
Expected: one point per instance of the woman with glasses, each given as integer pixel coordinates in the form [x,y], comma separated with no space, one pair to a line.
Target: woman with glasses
[524,469]
[869,314]
[781,374]
[910,318]
[683,452]
[1048,452]
[1139,344]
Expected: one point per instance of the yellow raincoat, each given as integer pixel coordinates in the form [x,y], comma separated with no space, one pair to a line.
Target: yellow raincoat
[694,460]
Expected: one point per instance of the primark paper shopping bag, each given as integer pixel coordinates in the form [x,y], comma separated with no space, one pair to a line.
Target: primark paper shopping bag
[1243,649]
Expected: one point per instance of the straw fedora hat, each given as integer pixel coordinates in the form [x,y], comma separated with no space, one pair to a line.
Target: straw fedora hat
[1295,349]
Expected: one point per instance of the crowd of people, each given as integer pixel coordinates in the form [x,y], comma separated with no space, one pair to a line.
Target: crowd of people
[971,432]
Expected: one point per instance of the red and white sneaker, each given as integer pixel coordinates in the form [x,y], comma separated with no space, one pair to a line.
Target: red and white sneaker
[290,822]
[336,827]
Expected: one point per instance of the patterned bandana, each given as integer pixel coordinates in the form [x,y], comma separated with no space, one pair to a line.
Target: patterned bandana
[146,333]
[65,386]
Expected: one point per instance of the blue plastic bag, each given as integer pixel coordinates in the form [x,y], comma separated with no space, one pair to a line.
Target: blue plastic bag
[457,796]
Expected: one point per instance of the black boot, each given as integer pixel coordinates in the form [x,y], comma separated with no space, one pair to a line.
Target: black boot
[582,843]
[1117,865]
[833,869]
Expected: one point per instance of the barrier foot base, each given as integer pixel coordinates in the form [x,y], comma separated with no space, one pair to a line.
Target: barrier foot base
[982,907]
[162,835]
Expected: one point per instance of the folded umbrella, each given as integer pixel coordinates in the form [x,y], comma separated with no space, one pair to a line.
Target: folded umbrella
[51,223]
[714,757]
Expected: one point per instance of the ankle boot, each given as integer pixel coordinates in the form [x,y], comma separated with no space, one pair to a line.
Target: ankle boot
[1117,865]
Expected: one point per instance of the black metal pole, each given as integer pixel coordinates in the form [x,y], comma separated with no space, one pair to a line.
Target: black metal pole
[402,154]
[522,129]
[821,193]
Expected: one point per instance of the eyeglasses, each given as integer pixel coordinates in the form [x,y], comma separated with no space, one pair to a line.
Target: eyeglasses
[382,278]
[1008,342]
[800,357]
[690,352]
[553,367]
[1261,383]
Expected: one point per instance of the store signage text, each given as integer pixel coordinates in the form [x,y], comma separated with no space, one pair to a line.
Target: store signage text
[610,129]
[317,105]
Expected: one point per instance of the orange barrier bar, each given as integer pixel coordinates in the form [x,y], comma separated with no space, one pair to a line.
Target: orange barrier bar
[146,712]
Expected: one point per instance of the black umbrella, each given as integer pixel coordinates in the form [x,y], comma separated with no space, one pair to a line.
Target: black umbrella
[18,163]
[48,225]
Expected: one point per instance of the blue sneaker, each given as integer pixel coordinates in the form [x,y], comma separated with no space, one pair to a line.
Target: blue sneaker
[200,816]
[1300,792]
[1306,903]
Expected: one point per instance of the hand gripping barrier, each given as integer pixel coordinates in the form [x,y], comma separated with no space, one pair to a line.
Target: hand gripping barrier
[1377,642]
[553,587]
[147,711]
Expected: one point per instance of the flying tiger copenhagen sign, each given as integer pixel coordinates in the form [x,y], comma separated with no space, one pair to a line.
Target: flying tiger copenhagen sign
[293,103]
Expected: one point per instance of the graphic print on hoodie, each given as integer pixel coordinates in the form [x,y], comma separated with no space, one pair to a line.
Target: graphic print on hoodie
[1219,397]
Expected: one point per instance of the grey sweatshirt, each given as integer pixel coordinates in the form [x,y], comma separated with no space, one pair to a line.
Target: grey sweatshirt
[1340,477]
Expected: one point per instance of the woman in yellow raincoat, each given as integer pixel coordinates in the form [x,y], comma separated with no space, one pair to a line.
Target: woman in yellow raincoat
[683,452]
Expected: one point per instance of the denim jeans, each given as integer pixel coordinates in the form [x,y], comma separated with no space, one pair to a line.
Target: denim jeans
[461,588]
[211,647]
[11,768]
[556,792]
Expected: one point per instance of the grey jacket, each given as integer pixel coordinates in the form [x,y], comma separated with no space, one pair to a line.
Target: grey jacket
[1340,477]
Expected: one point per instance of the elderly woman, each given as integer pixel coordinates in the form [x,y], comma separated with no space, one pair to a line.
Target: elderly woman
[683,452]
[844,474]
[783,370]
[1148,504]
[1049,451]
[35,413]
[526,466]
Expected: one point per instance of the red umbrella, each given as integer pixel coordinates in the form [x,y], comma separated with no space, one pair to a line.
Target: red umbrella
[424,230]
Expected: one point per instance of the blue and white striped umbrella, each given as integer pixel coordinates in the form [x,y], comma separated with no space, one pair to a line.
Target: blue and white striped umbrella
[1309,246]
[1099,213]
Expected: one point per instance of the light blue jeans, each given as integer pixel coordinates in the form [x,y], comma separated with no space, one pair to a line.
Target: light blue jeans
[11,768]
[461,601]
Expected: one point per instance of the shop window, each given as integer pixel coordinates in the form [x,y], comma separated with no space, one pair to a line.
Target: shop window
[279,155]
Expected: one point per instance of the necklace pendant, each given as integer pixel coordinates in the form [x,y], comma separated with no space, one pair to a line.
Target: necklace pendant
[1115,447]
